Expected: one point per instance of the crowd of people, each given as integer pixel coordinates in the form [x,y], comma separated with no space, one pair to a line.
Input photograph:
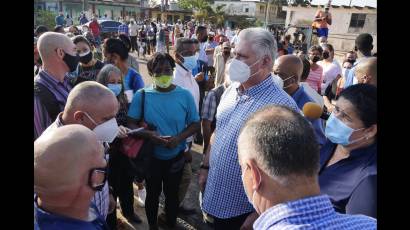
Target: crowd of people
[266,165]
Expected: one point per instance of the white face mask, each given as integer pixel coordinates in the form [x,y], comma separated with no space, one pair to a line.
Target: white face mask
[250,200]
[239,71]
[106,131]
[278,81]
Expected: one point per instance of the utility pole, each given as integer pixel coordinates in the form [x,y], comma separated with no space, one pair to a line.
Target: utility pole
[267,13]
[85,5]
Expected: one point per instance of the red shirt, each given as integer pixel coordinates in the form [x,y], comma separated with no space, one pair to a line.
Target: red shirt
[95,28]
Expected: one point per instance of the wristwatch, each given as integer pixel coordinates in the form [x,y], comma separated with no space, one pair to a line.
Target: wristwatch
[202,166]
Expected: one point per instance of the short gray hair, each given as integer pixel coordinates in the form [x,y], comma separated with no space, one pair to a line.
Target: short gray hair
[261,40]
[87,94]
[179,45]
[104,73]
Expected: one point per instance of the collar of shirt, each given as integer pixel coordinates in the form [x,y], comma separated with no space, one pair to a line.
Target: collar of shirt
[252,91]
[49,219]
[310,208]
[180,71]
[52,80]
[361,154]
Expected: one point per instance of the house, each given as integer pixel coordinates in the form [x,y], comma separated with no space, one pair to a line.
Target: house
[114,9]
[171,14]
[349,19]
[251,9]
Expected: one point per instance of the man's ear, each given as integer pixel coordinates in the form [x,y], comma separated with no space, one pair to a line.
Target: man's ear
[179,58]
[79,116]
[256,175]
[60,53]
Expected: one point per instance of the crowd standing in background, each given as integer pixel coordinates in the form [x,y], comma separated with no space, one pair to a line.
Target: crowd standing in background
[243,96]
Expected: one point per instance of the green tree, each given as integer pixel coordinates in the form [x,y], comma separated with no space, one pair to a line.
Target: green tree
[201,8]
[217,15]
[46,18]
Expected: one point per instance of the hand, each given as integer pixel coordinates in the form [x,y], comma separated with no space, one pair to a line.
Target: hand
[157,140]
[188,156]
[199,77]
[247,225]
[202,177]
[122,132]
[173,142]
[112,204]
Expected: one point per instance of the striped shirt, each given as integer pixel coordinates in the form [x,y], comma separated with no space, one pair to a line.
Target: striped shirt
[123,29]
[315,78]
[60,90]
[224,195]
[311,213]
[101,198]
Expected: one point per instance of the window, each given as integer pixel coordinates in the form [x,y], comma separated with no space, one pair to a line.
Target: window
[262,8]
[357,20]
[246,10]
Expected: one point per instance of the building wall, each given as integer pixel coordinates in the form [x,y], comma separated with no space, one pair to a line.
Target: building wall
[254,9]
[340,35]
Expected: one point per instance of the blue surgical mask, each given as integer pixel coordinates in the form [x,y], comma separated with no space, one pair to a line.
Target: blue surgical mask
[115,88]
[190,62]
[338,132]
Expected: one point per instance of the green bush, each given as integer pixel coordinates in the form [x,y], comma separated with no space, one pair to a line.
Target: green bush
[46,18]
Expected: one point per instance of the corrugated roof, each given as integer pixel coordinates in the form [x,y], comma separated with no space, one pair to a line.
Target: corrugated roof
[347,3]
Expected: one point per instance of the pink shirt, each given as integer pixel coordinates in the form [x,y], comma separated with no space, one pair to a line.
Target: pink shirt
[315,78]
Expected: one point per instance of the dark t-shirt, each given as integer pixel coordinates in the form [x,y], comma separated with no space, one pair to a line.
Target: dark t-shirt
[88,73]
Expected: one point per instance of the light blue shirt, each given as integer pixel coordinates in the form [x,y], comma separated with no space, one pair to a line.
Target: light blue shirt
[170,112]
[310,213]
[133,80]
[224,195]
[350,73]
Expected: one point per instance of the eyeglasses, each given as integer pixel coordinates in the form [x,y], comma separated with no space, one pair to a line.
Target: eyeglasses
[340,113]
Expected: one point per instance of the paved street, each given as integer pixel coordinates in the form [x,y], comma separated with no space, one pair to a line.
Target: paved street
[191,200]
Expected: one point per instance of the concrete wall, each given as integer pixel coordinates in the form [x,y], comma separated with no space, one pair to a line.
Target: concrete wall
[340,35]
[254,9]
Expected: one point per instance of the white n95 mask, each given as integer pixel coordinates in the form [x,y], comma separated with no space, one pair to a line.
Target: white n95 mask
[278,81]
[106,131]
[239,71]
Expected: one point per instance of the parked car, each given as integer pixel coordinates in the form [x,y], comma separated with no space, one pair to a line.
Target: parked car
[109,28]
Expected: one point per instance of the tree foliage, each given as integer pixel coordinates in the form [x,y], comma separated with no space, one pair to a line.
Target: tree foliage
[45,17]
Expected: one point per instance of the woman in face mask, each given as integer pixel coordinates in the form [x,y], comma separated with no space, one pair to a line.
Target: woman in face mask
[331,70]
[172,111]
[89,67]
[332,73]
[348,160]
[116,53]
[315,75]
[120,176]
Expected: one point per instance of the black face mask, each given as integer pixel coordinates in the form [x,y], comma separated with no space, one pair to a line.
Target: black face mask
[315,59]
[227,53]
[71,61]
[86,58]
[326,55]
[351,61]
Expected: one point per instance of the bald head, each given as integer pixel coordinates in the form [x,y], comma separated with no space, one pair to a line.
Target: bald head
[289,65]
[366,71]
[89,95]
[62,160]
[49,42]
